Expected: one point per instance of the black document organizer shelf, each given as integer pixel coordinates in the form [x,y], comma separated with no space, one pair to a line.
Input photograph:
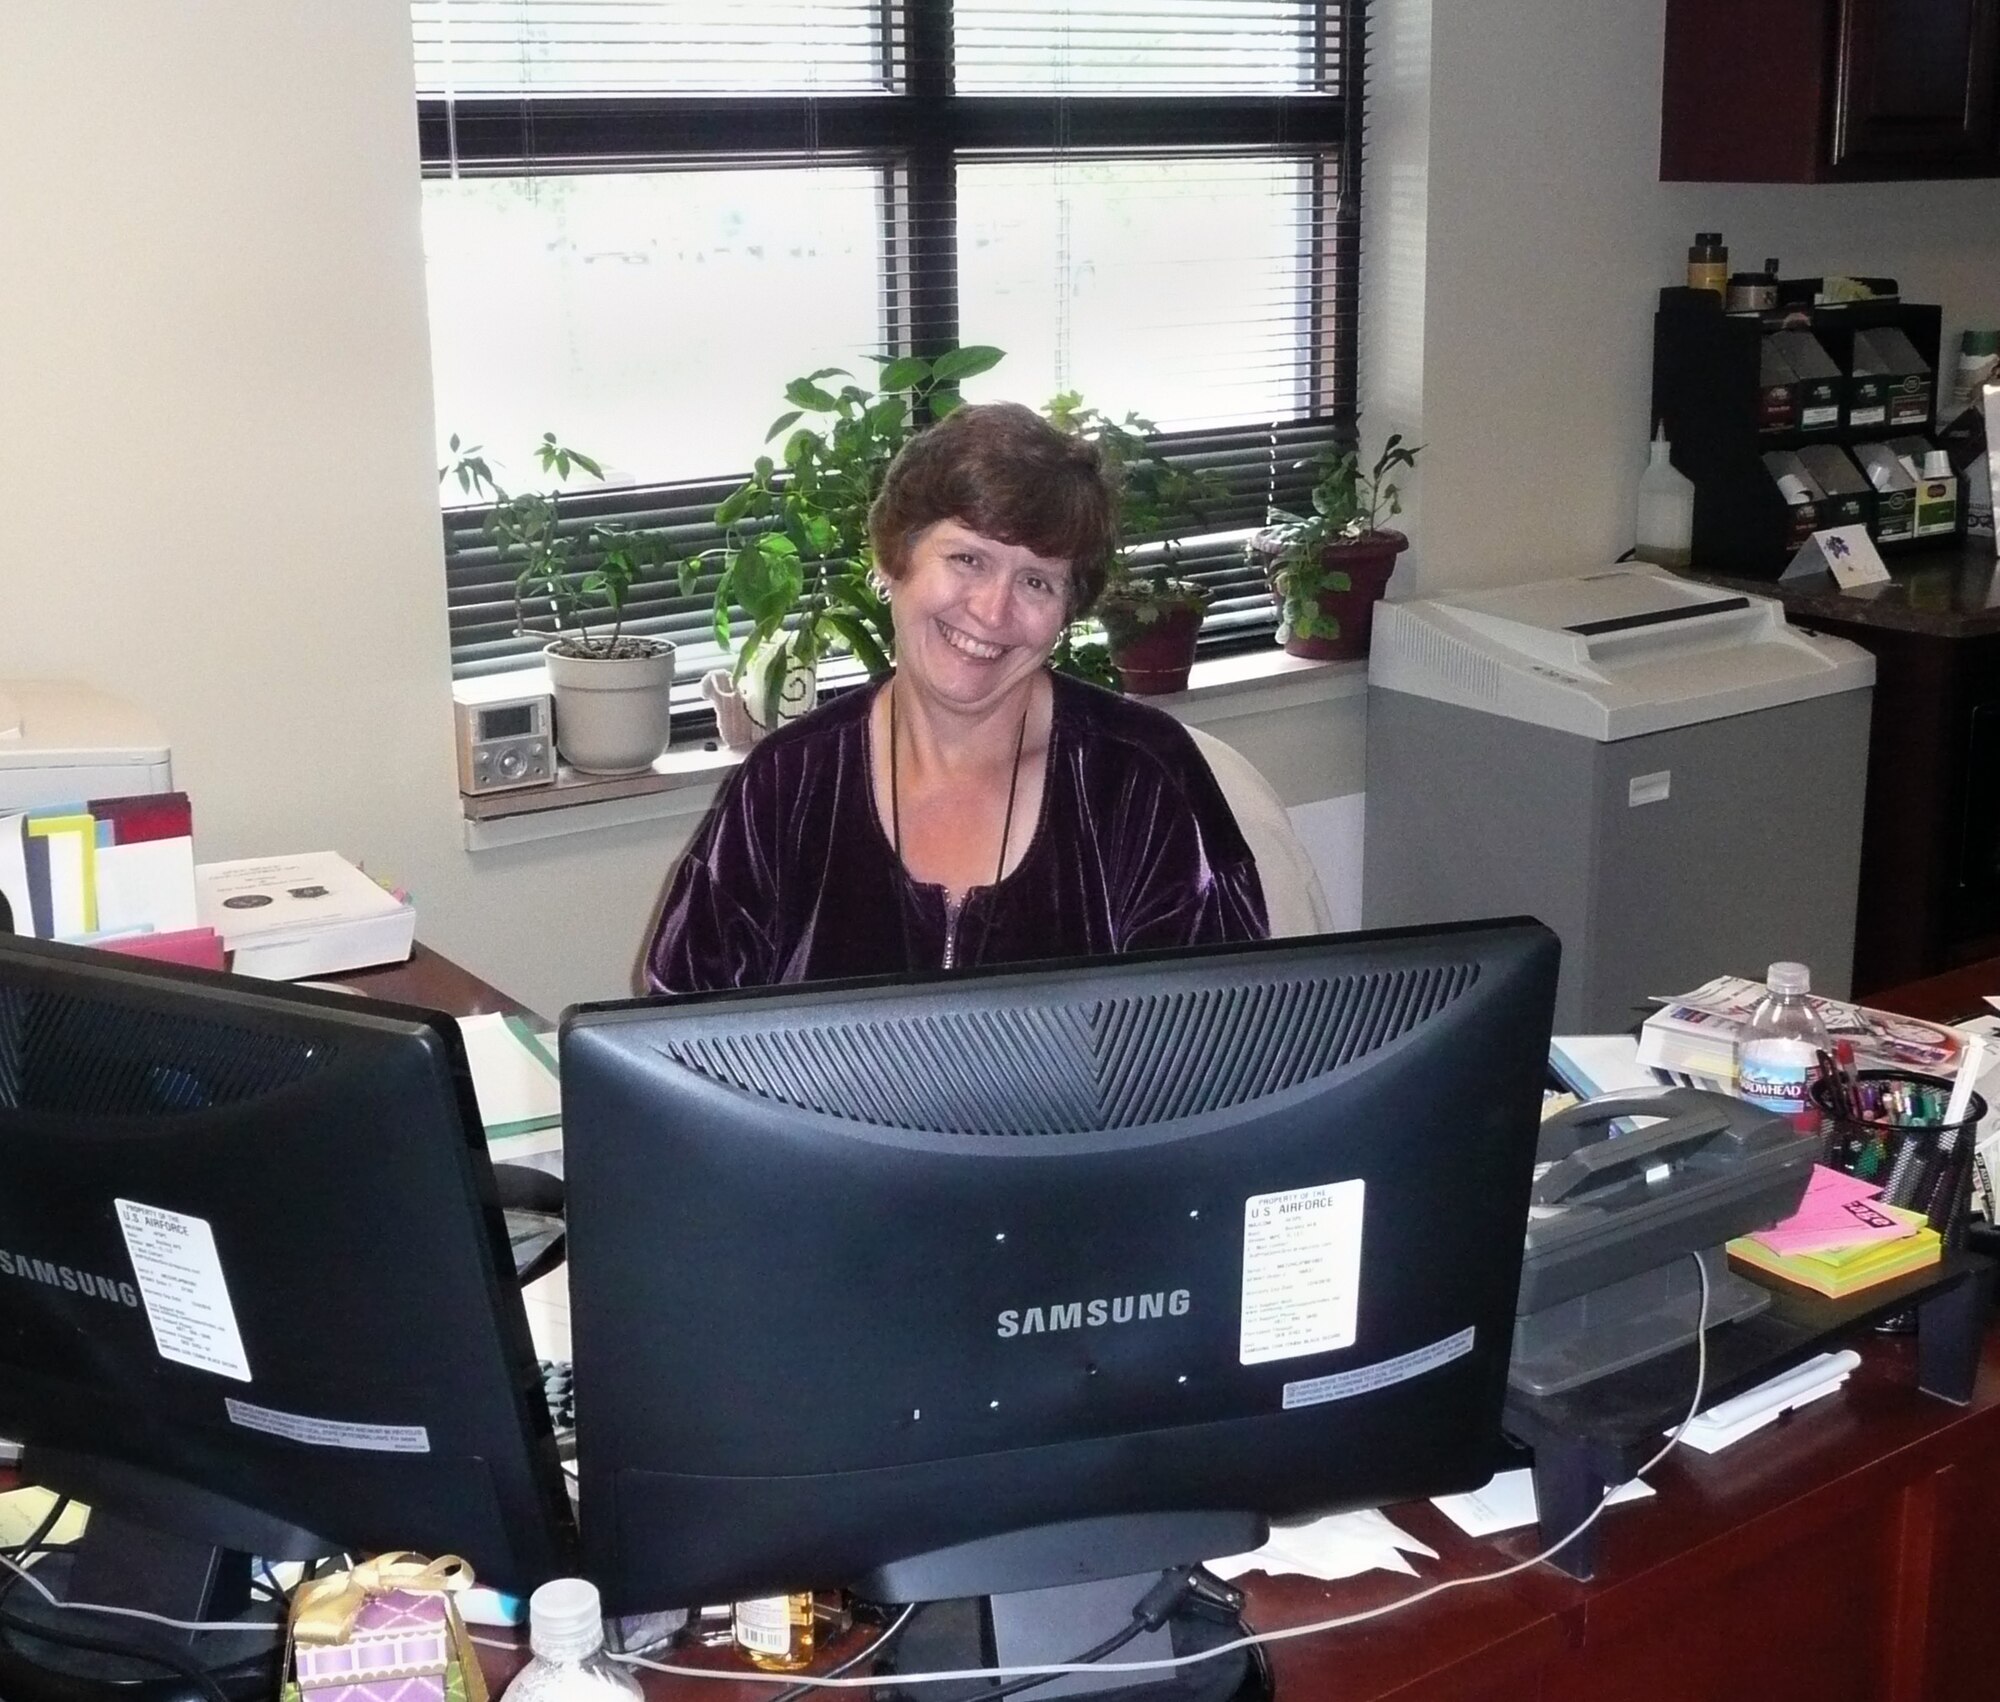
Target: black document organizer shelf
[1590,1438]
[1706,389]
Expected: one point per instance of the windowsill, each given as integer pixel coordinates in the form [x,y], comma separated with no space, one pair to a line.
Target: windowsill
[684,780]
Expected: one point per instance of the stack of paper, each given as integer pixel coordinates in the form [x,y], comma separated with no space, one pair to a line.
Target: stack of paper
[1337,1546]
[116,872]
[1695,1034]
[1841,1239]
[285,918]
[1507,1502]
[1730,1421]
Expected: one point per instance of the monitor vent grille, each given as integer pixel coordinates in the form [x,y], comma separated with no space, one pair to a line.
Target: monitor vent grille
[98,1057]
[1105,1064]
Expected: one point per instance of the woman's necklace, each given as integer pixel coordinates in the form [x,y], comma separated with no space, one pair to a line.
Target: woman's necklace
[951,910]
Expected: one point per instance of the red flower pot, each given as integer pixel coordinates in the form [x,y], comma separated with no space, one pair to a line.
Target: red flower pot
[1151,656]
[1367,562]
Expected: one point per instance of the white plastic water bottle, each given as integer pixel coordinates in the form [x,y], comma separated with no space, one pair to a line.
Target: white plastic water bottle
[566,1631]
[1664,523]
[1778,1053]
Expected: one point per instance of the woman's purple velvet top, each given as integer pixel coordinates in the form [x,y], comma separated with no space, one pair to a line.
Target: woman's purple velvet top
[792,878]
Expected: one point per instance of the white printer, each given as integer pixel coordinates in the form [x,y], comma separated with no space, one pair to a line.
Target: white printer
[1667,773]
[61,743]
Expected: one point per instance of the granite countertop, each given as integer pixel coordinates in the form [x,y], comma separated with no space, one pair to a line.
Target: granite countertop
[1949,592]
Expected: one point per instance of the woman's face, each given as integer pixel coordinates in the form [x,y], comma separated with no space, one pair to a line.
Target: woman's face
[975,617]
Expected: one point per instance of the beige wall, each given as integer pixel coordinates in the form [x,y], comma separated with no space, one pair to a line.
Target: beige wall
[215,400]
[1524,138]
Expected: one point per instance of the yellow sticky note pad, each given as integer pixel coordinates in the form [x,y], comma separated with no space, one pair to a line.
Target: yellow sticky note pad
[23,1510]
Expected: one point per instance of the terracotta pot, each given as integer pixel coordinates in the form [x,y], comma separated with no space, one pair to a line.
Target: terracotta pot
[1152,657]
[1367,562]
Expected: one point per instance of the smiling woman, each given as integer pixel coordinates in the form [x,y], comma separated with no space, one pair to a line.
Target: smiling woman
[974,808]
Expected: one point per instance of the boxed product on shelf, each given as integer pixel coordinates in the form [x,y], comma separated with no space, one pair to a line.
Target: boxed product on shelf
[1801,494]
[1778,393]
[1844,495]
[1895,492]
[1821,387]
[1936,509]
[1905,377]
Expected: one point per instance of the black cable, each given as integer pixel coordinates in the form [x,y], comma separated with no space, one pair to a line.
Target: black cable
[1111,1645]
[22,1550]
[149,1656]
[880,1645]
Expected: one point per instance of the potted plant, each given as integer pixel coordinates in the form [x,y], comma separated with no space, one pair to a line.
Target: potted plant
[1328,569]
[1151,616]
[612,690]
[796,560]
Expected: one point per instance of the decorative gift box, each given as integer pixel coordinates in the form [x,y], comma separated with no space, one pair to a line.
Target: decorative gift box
[387,1631]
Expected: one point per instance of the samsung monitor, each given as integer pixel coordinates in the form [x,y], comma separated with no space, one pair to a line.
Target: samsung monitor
[1019,1278]
[256,1298]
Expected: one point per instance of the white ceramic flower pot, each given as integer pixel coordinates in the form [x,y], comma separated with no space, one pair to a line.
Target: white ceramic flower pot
[612,713]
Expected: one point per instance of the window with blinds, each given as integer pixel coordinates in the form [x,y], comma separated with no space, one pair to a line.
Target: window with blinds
[642,218]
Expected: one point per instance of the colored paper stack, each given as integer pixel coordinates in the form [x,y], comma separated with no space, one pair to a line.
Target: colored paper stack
[1841,1239]
[112,872]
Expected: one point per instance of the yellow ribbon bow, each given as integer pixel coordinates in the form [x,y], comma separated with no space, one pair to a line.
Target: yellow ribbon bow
[323,1609]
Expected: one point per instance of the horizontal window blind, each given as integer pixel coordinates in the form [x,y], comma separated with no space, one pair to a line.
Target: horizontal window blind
[600,48]
[1253,475]
[643,217]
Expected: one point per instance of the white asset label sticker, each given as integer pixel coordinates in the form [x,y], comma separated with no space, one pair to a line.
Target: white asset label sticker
[1301,1271]
[180,1280]
[330,1432]
[1365,1379]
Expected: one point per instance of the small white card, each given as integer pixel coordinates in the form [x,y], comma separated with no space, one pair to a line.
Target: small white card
[1846,552]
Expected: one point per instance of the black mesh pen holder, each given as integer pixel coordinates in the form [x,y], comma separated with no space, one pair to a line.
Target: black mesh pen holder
[1936,1157]
[1921,1162]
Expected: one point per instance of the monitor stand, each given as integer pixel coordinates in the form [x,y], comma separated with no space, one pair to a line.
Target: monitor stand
[159,1547]
[1052,1627]
[987,1604]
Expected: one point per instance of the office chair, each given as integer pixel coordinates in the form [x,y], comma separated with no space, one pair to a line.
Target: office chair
[1293,898]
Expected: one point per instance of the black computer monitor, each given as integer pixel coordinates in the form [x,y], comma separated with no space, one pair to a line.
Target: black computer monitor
[256,1297]
[1005,1280]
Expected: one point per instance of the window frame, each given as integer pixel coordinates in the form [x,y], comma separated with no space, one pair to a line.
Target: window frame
[916,135]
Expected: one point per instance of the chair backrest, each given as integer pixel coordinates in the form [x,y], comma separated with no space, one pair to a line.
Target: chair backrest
[1293,898]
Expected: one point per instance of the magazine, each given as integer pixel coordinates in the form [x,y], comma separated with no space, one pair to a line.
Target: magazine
[1696,1033]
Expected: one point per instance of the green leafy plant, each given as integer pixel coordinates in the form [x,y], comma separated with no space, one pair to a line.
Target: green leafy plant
[578,580]
[1348,506]
[1159,503]
[795,559]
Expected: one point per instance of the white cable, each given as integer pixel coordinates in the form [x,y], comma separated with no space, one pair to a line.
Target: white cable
[1256,1639]
[1284,1634]
[273,1626]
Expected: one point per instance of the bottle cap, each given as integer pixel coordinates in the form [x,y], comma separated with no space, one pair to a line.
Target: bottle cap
[1780,978]
[1708,238]
[1937,464]
[1980,342]
[565,1620]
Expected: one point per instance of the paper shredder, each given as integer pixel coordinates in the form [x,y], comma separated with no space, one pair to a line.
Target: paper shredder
[1666,773]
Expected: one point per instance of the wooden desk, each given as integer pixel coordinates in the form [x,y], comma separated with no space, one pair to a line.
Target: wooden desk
[1843,1555]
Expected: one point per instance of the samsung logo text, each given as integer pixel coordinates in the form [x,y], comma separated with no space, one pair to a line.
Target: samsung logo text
[67,1277]
[1089,1314]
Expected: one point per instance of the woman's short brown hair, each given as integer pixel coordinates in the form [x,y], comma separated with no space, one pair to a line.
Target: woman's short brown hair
[1007,473]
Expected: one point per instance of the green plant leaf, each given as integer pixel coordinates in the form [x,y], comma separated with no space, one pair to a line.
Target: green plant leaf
[803,393]
[945,402]
[784,422]
[904,373]
[968,362]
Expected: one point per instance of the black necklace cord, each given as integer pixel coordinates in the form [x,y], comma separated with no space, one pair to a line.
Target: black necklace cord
[896,827]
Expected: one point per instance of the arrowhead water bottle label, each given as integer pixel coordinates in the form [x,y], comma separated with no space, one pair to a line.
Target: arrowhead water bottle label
[1773,1074]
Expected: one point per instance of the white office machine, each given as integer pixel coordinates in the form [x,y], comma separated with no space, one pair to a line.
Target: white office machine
[61,742]
[1666,773]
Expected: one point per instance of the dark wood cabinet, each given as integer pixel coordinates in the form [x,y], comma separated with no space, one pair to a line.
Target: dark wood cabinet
[1810,91]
